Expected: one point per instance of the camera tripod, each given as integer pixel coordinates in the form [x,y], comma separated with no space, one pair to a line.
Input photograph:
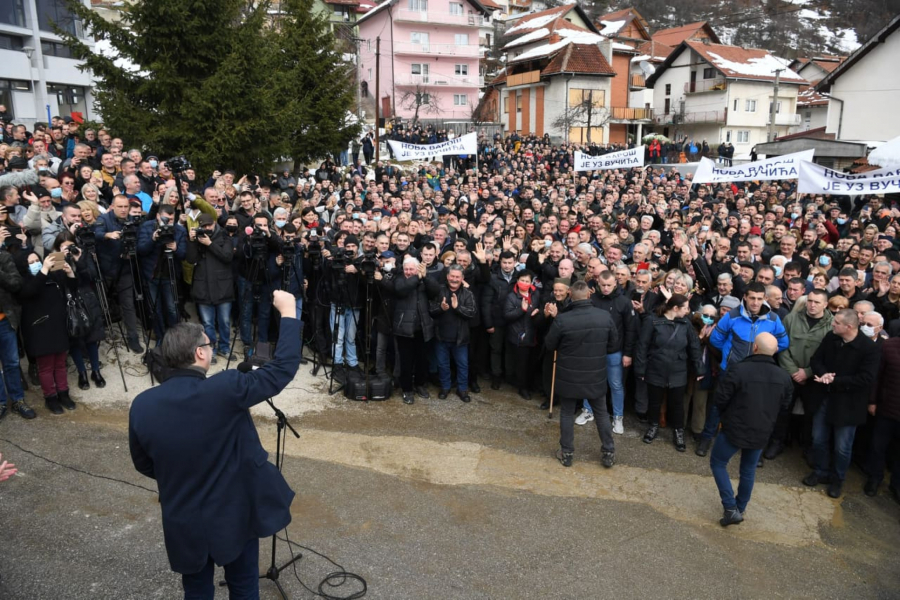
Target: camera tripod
[339,307]
[256,263]
[104,306]
[319,357]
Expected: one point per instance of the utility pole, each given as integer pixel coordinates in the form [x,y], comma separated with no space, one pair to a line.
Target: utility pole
[356,42]
[377,96]
[770,135]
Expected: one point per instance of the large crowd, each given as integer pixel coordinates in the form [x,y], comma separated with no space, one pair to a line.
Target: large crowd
[448,275]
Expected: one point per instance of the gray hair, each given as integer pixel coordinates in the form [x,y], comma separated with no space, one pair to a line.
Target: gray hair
[863,304]
[180,343]
[878,317]
[455,267]
[723,277]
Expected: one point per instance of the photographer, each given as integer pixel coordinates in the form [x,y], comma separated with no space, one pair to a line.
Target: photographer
[210,252]
[115,240]
[254,285]
[288,264]
[162,245]
[347,293]
[68,220]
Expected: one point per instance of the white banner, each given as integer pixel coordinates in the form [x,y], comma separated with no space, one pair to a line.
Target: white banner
[624,159]
[780,167]
[816,179]
[465,144]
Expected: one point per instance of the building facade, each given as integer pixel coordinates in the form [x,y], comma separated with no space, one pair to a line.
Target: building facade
[37,72]
[429,64]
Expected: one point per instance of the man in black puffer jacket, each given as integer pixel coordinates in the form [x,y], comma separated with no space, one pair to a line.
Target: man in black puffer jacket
[582,337]
[413,326]
[452,310]
[749,397]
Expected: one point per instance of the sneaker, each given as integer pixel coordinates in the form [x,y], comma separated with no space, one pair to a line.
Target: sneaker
[564,458]
[586,416]
[25,411]
[408,398]
[703,446]
[619,425]
[226,355]
[732,516]
[652,431]
[678,439]
[421,392]
[608,459]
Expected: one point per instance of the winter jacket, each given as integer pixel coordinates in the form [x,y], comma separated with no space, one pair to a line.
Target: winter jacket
[803,341]
[109,251]
[855,366]
[43,299]
[452,325]
[494,299]
[213,276]
[10,284]
[520,327]
[411,306]
[664,348]
[885,397]
[86,275]
[750,396]
[735,332]
[153,261]
[582,336]
[627,324]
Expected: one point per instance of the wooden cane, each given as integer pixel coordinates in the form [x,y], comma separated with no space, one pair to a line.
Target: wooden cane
[552,386]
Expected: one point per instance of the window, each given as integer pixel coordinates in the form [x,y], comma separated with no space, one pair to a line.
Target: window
[6,88]
[668,89]
[777,107]
[418,38]
[420,72]
[505,104]
[518,103]
[11,42]
[461,100]
[56,12]
[461,70]
[728,134]
[456,8]
[462,39]
[596,97]
[743,137]
[668,106]
[423,98]
[420,5]
[370,73]
[808,116]
[709,73]
[737,104]
[749,106]
[12,12]
[55,49]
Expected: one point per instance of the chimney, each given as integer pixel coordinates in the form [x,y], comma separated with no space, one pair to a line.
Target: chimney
[605,46]
[554,38]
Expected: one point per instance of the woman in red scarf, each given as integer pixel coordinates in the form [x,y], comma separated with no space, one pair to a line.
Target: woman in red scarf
[521,337]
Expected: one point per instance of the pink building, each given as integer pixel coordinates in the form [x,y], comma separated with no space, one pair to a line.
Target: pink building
[429,57]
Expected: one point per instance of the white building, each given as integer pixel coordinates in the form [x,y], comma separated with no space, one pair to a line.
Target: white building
[862,91]
[37,73]
[717,93]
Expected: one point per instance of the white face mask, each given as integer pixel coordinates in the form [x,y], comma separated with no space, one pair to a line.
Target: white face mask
[388,267]
[867,330]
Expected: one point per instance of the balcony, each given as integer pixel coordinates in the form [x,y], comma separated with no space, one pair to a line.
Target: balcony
[436,17]
[791,120]
[631,114]
[704,85]
[636,81]
[413,48]
[697,117]
[520,3]
[438,80]
[523,78]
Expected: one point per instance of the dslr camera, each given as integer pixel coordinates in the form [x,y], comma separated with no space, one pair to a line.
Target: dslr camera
[166,231]
[178,164]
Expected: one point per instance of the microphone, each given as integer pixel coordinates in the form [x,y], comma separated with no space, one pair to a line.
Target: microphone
[248,230]
[246,367]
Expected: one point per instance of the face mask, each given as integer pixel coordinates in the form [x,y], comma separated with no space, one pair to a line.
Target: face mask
[524,287]
[56,193]
[707,320]
[867,330]
[231,228]
[841,221]
[823,261]
[704,228]
[810,278]
[153,164]
[280,224]
[35,268]
[519,267]
[795,216]
[388,267]
[777,270]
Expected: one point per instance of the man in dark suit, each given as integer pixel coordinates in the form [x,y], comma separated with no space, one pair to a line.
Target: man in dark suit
[219,493]
[582,337]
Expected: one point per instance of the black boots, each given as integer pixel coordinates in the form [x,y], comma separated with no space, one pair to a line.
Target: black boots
[83,382]
[565,458]
[732,516]
[679,440]
[53,405]
[65,400]
[98,379]
[651,433]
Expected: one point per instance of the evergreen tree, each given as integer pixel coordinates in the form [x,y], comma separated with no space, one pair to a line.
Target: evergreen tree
[191,77]
[315,85]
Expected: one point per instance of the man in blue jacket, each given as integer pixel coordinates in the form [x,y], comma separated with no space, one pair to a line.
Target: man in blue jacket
[734,335]
[157,242]
[218,492]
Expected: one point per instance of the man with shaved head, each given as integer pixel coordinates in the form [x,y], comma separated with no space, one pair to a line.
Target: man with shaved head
[749,397]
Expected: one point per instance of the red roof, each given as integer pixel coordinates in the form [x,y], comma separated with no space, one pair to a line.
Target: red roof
[657,51]
[815,134]
[490,4]
[808,96]
[676,35]
[743,63]
[579,58]
[520,23]
[343,2]
[628,15]
[557,24]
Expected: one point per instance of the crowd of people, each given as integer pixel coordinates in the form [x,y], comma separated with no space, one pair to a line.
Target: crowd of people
[452,275]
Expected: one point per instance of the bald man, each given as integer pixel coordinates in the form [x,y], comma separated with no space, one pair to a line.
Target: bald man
[749,397]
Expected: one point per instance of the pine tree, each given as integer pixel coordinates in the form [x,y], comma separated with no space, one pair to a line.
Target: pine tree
[199,81]
[315,85]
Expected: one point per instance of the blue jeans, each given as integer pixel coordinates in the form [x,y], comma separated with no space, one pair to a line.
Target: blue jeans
[711,427]
[460,357]
[242,576]
[614,375]
[721,453]
[345,337]
[166,312]
[245,289]
[93,349]
[843,445]
[299,299]
[9,357]
[210,316]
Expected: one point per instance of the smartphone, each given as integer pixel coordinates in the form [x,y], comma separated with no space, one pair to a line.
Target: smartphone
[59,261]
[635,296]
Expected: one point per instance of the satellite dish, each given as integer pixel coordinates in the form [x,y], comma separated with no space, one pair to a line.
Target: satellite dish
[647,68]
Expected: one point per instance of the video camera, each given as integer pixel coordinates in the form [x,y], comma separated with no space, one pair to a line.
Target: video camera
[341,258]
[259,242]
[288,251]
[178,164]
[129,237]
[367,264]
[314,249]
[202,233]
[166,231]
[84,238]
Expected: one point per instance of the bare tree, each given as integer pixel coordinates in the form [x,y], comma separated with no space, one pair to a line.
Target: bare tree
[588,113]
[419,100]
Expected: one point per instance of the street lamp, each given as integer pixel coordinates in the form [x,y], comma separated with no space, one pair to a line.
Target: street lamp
[29,52]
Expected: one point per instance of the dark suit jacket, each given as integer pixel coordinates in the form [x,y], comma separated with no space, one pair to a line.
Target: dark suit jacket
[855,367]
[195,437]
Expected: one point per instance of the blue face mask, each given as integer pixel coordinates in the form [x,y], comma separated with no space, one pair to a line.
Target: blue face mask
[841,221]
[795,216]
[824,261]
[810,278]
[35,268]
[56,193]
[707,320]
[777,270]
[153,164]
[519,267]
[280,224]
